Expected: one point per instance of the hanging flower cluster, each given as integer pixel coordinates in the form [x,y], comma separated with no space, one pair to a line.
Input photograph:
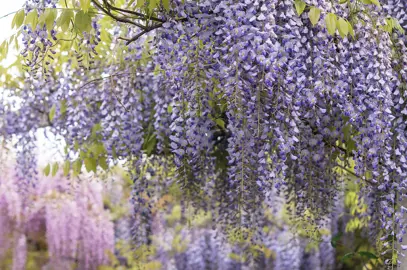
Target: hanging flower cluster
[66,221]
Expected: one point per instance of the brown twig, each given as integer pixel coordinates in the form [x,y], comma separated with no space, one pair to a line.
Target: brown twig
[142,33]
[142,16]
[119,19]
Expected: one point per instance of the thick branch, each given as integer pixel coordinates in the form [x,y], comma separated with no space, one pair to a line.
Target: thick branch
[119,19]
[143,32]
[142,16]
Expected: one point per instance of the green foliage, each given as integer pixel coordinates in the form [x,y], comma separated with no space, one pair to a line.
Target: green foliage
[150,144]
[85,5]
[220,123]
[67,167]
[314,15]
[392,24]
[348,256]
[335,239]
[55,168]
[76,166]
[48,17]
[64,19]
[367,254]
[342,26]
[47,169]
[369,2]
[330,21]
[166,4]
[32,18]
[83,22]
[90,164]
[4,49]
[300,6]
[52,113]
[18,19]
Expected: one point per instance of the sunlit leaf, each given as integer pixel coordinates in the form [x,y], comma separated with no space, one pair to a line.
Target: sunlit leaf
[66,168]
[299,6]
[220,123]
[18,19]
[85,4]
[55,168]
[330,21]
[52,113]
[65,19]
[367,254]
[342,27]
[76,167]
[347,256]
[166,4]
[90,164]
[314,15]
[83,22]
[47,169]
[32,18]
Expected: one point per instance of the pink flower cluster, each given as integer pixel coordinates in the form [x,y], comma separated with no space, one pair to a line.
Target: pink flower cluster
[61,217]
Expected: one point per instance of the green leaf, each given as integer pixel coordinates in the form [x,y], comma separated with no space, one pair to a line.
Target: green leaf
[85,5]
[367,254]
[220,123]
[18,19]
[32,18]
[82,154]
[367,2]
[67,166]
[169,108]
[299,6]
[95,129]
[63,107]
[347,256]
[166,4]
[140,3]
[314,15]
[43,16]
[76,145]
[388,27]
[343,2]
[83,22]
[13,22]
[98,149]
[342,27]
[52,113]
[47,169]
[152,5]
[65,19]
[335,239]
[50,19]
[351,31]
[3,49]
[330,21]
[150,144]
[90,164]
[375,2]
[392,23]
[103,163]
[76,167]
[55,168]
